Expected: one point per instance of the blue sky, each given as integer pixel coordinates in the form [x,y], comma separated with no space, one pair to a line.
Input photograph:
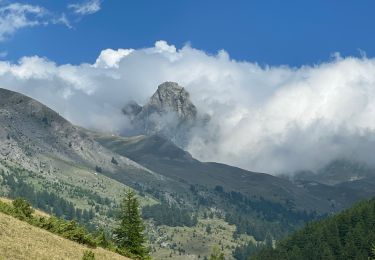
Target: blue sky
[267,32]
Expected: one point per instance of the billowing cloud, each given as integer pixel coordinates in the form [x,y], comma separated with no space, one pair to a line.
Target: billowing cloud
[110,58]
[263,118]
[86,7]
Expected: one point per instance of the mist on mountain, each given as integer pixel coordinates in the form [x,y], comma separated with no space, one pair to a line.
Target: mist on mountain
[271,119]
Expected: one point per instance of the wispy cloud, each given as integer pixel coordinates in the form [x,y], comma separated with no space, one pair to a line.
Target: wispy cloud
[85,8]
[16,16]
[63,19]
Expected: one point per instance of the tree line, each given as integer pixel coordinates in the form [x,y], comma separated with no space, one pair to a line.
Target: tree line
[127,239]
[348,235]
[170,215]
[46,201]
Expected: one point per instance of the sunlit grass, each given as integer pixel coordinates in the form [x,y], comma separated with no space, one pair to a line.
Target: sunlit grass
[21,241]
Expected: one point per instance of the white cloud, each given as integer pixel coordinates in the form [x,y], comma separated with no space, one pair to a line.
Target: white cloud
[16,16]
[63,19]
[110,58]
[163,46]
[85,8]
[271,119]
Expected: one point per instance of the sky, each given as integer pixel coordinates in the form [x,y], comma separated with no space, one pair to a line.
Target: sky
[288,85]
[271,32]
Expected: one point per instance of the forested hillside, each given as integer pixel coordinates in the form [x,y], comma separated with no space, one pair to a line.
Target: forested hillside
[348,235]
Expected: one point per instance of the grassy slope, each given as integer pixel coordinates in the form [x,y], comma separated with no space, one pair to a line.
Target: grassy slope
[71,177]
[19,240]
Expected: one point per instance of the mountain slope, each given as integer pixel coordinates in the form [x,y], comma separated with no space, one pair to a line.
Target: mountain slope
[337,172]
[28,129]
[21,241]
[38,139]
[42,152]
[343,182]
[165,158]
[348,235]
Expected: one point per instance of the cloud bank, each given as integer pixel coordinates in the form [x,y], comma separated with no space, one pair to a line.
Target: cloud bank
[271,119]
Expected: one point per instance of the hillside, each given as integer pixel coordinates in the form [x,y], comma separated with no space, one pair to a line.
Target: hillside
[348,235]
[21,241]
[45,153]
[163,157]
[75,173]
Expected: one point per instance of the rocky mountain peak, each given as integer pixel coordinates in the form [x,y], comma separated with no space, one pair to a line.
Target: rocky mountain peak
[170,97]
[169,113]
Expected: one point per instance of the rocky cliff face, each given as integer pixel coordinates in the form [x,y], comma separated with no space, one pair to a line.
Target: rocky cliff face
[172,98]
[169,113]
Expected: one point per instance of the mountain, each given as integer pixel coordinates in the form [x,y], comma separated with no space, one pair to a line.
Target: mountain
[79,174]
[36,137]
[66,171]
[165,158]
[169,113]
[58,166]
[348,235]
[337,172]
[344,182]
[31,132]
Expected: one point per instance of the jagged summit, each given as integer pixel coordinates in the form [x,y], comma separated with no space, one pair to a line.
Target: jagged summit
[169,113]
[170,97]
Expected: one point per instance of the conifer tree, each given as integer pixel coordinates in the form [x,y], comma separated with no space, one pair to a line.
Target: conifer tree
[129,234]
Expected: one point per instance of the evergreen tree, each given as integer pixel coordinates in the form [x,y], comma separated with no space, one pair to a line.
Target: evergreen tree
[129,234]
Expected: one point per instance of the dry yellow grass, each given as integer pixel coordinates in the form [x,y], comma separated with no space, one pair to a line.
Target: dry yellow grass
[21,241]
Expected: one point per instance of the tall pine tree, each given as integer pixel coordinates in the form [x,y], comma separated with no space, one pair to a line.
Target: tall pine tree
[129,234]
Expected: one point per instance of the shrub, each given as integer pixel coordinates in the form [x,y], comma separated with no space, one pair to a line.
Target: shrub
[22,208]
[98,169]
[114,161]
[88,255]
